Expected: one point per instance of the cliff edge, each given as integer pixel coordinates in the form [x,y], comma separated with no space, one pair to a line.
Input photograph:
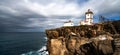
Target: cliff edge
[98,39]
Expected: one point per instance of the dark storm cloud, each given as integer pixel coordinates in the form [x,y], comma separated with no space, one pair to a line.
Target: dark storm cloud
[10,22]
[12,19]
[38,15]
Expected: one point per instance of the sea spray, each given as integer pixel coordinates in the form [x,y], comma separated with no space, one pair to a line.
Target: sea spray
[41,51]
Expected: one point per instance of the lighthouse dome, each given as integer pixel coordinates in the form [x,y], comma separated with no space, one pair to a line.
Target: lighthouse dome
[89,12]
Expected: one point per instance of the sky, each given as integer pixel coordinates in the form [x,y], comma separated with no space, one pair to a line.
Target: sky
[39,15]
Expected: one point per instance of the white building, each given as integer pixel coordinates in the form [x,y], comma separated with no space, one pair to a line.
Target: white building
[88,18]
[69,23]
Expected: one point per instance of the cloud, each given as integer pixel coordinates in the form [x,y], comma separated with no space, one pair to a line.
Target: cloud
[54,8]
[34,15]
[72,8]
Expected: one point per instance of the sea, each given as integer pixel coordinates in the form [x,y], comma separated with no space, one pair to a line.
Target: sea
[23,43]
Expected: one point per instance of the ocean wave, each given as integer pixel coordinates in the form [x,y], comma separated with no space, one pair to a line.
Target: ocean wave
[45,38]
[42,51]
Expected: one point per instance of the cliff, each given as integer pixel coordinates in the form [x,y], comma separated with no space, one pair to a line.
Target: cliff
[98,39]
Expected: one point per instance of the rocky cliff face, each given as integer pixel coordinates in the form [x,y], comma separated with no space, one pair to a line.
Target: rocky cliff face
[99,39]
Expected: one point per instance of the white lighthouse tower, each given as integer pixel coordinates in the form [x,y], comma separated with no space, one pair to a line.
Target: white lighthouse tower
[88,18]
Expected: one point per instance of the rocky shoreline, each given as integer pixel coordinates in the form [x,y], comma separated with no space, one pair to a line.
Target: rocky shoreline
[98,39]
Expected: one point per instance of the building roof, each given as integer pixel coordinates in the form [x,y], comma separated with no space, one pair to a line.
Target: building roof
[89,11]
[68,21]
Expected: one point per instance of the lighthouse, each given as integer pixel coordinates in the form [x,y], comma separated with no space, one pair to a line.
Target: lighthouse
[88,18]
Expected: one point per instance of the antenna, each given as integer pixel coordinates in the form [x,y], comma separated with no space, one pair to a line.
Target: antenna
[103,19]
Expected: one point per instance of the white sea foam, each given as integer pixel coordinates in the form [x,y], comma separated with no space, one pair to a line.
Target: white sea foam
[41,51]
[45,38]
